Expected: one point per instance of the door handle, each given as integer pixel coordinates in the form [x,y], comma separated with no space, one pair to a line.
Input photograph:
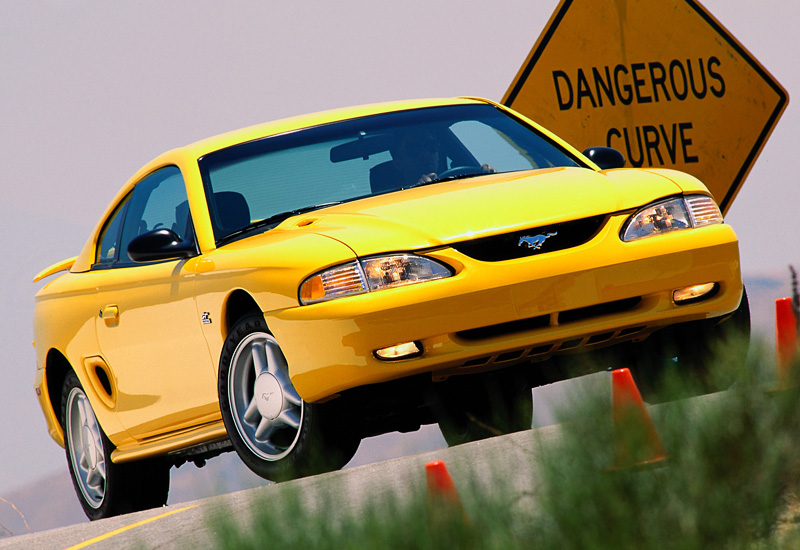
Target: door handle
[110,315]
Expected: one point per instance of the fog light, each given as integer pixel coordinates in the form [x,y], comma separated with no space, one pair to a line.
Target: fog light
[399,351]
[693,293]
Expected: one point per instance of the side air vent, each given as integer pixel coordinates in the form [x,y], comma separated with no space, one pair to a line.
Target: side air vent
[101,380]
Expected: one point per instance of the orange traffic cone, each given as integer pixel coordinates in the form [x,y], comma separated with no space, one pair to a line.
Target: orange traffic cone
[442,494]
[637,441]
[785,342]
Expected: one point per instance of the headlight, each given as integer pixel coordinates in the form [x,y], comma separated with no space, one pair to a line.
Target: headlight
[672,215]
[370,274]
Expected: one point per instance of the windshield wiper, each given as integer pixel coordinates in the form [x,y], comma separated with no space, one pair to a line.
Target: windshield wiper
[446,178]
[273,220]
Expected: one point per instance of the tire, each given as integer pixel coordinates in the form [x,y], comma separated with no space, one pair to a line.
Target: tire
[678,362]
[275,433]
[477,407]
[105,489]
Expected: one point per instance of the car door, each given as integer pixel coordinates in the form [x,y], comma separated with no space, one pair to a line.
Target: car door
[148,327]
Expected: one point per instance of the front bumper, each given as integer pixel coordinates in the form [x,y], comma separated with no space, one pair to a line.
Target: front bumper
[491,313]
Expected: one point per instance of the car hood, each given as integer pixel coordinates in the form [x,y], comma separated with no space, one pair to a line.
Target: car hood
[449,212]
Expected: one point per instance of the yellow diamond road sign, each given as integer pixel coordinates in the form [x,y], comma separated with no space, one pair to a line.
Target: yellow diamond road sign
[662,81]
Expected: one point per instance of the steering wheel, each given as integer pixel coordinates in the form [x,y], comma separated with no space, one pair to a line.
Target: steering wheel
[456,171]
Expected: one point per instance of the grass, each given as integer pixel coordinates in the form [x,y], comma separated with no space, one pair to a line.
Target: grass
[731,481]
[732,465]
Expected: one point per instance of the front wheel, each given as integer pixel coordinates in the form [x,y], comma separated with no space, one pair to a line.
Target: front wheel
[694,358]
[275,433]
[477,407]
[105,489]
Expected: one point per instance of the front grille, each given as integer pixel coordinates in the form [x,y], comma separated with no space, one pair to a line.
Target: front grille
[542,321]
[530,242]
[502,329]
[597,310]
[543,352]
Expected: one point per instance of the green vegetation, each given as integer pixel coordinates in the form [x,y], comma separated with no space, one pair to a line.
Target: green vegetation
[731,482]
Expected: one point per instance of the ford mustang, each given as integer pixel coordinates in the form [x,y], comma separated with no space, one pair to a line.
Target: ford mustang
[287,289]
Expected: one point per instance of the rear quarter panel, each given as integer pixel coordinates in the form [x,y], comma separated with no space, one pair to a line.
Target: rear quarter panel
[64,320]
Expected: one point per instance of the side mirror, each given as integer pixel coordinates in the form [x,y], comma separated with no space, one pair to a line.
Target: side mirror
[605,157]
[159,244]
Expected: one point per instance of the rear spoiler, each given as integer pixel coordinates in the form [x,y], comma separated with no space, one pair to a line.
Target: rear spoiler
[63,265]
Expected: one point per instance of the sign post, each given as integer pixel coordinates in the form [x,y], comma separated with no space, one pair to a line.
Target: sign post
[662,81]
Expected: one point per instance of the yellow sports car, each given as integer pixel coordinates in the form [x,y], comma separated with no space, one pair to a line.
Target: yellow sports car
[287,289]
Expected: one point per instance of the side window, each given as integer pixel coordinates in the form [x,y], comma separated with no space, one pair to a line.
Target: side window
[158,201]
[108,243]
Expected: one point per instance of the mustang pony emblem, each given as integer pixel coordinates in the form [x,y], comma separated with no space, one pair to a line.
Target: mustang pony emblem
[536,241]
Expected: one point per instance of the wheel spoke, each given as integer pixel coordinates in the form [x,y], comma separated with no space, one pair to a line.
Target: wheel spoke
[83,415]
[290,417]
[84,459]
[276,364]
[94,478]
[85,445]
[283,377]
[279,369]
[290,394]
[98,446]
[101,469]
[260,358]
[252,415]
[264,430]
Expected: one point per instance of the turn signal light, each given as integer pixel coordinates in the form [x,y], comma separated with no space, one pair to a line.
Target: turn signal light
[399,351]
[693,293]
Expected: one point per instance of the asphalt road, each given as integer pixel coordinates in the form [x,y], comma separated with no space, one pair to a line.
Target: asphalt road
[508,460]
[188,525]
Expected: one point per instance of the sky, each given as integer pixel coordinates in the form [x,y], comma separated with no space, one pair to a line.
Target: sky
[92,90]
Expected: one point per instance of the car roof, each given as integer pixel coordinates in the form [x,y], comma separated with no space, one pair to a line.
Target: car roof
[281,126]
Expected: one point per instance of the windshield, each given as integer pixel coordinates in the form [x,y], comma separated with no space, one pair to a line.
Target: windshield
[271,178]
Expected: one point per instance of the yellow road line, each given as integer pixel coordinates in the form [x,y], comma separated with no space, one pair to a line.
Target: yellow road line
[127,528]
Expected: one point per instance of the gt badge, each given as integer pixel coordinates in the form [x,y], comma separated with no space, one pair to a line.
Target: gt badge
[536,241]
[206,318]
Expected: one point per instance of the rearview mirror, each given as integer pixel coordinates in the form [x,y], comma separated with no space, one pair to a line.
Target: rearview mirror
[160,244]
[605,157]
